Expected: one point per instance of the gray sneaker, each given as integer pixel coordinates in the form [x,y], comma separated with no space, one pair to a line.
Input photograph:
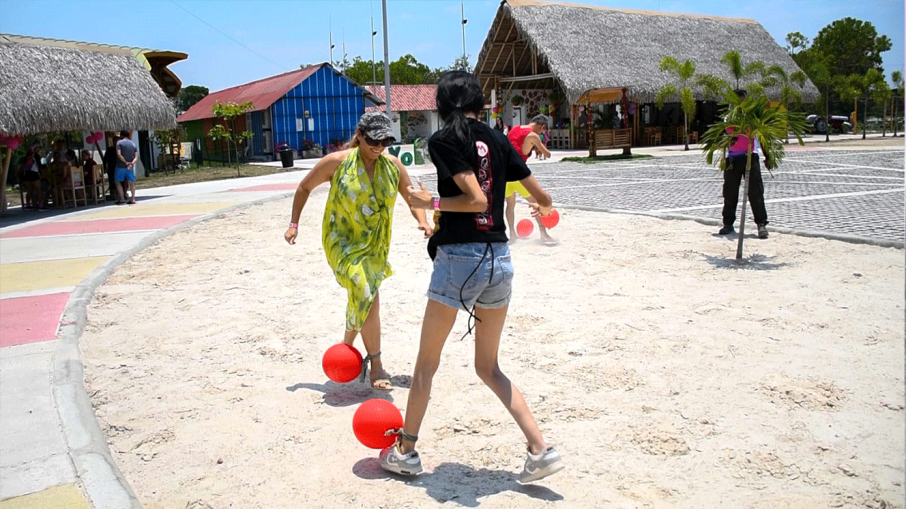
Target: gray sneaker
[762,231]
[392,460]
[541,465]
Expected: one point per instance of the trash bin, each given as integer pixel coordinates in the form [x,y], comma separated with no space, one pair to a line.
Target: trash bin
[286,157]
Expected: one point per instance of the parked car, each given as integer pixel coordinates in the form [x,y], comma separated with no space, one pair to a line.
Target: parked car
[837,123]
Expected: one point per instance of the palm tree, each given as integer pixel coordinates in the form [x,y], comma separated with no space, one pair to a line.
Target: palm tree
[756,118]
[790,97]
[684,72]
[733,61]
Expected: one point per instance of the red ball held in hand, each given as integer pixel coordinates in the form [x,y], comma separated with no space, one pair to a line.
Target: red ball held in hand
[551,220]
[373,419]
[342,363]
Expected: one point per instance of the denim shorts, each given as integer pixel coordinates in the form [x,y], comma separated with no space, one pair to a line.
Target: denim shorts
[467,275]
[124,174]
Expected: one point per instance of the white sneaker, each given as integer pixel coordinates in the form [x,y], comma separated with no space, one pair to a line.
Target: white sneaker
[541,465]
[392,460]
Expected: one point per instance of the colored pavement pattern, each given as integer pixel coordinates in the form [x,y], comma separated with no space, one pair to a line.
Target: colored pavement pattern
[43,260]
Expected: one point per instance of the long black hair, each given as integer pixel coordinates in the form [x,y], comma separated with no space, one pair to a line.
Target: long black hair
[459,92]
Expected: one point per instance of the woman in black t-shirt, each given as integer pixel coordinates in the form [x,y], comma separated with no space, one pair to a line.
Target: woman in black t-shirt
[472,267]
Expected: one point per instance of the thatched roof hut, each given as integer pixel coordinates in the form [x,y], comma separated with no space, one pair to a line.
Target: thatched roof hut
[583,48]
[47,88]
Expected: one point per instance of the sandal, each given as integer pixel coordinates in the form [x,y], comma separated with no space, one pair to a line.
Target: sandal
[382,382]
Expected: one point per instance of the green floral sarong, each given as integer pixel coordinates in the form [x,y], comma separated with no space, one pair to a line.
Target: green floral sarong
[356,231]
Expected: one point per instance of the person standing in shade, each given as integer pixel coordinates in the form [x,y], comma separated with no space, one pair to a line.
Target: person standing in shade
[524,139]
[109,160]
[733,175]
[126,157]
[472,266]
[364,183]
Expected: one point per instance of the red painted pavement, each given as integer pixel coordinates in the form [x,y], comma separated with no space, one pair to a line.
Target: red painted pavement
[30,319]
[98,226]
[265,187]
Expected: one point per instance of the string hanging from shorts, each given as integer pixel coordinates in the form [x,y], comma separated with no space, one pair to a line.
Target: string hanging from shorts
[470,323]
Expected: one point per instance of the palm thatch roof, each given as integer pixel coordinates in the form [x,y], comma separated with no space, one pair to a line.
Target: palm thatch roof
[582,48]
[47,88]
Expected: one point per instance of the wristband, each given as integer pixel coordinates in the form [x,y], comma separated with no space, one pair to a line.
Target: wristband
[294,225]
[437,203]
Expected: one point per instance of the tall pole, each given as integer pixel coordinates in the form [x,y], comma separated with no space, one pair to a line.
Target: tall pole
[373,68]
[465,60]
[386,63]
[330,36]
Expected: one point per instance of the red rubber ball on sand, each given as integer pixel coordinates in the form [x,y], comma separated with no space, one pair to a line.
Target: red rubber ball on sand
[551,220]
[342,363]
[524,228]
[373,419]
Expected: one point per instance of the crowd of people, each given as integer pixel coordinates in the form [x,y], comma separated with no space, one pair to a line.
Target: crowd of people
[44,175]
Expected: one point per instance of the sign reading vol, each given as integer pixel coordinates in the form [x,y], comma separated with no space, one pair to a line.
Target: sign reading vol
[407,154]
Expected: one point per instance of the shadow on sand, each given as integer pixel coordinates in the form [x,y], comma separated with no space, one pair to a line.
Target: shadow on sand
[457,483]
[352,393]
[753,262]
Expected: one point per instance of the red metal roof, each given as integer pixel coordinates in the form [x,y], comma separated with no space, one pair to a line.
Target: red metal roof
[261,93]
[408,97]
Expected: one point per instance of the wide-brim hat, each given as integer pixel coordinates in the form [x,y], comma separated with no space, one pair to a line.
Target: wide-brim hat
[376,126]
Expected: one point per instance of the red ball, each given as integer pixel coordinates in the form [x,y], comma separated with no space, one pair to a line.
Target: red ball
[551,220]
[342,363]
[373,419]
[524,228]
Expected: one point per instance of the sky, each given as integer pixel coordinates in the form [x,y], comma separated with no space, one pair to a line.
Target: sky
[231,42]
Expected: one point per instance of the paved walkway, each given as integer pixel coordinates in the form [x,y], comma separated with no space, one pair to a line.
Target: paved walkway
[52,453]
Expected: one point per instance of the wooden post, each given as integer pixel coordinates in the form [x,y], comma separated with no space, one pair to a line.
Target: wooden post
[572,126]
[588,125]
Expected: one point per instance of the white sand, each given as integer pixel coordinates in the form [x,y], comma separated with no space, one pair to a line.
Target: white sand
[666,375]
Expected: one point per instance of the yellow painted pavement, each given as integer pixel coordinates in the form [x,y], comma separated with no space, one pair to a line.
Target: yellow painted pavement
[66,496]
[28,276]
[172,209]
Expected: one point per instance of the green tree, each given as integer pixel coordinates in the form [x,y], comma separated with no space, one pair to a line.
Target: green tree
[408,71]
[226,114]
[756,118]
[361,72]
[190,95]
[795,42]
[461,64]
[683,73]
[790,87]
[852,46]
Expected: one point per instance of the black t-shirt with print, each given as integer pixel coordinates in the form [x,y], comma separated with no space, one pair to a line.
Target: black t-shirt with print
[498,164]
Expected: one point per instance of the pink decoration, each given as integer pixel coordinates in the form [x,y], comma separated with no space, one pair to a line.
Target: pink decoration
[13,143]
[3,138]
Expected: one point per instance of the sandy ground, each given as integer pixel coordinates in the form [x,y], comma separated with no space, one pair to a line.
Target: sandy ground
[667,375]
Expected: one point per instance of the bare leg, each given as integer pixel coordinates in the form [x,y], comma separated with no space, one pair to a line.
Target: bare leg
[511,215]
[132,191]
[436,326]
[487,341]
[371,337]
[541,229]
[119,192]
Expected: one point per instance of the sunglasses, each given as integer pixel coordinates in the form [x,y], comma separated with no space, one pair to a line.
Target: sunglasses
[372,142]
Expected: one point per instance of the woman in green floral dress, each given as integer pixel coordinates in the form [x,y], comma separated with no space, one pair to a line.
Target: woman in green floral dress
[356,227]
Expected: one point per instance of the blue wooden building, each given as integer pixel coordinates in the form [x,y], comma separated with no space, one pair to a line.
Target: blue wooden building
[315,103]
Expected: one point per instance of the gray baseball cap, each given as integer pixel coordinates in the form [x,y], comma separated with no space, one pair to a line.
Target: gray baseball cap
[376,126]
